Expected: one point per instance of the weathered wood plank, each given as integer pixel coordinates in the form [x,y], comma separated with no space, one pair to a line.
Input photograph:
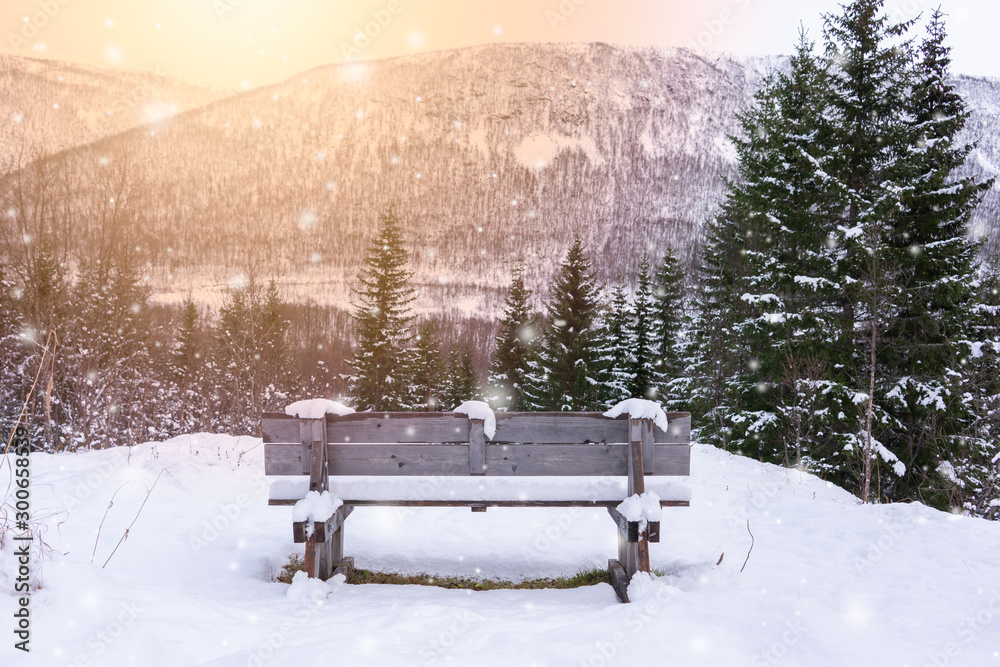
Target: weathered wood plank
[399,459]
[637,458]
[278,428]
[324,568]
[581,427]
[452,502]
[313,434]
[638,553]
[337,538]
[345,567]
[312,438]
[618,579]
[672,460]
[284,459]
[678,430]
[622,548]
[321,528]
[453,460]
[305,444]
[556,459]
[399,427]
[310,559]
[646,428]
[558,427]
[501,460]
[621,522]
[477,448]
[512,427]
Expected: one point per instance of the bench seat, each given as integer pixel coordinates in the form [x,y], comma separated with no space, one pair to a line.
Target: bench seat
[492,492]
[531,459]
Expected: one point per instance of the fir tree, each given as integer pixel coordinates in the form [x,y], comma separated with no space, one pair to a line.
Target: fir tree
[616,352]
[13,388]
[462,383]
[252,351]
[515,342]
[566,374]
[105,360]
[717,370]
[931,244]
[790,329]
[835,282]
[868,80]
[972,474]
[644,376]
[187,371]
[668,310]
[382,319]
[428,368]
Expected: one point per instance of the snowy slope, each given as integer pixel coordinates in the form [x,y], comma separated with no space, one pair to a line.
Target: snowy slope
[48,105]
[828,582]
[488,152]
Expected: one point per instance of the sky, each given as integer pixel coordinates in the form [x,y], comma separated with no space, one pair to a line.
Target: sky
[244,43]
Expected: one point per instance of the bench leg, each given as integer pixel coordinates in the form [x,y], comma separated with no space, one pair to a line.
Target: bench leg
[345,567]
[623,551]
[311,559]
[323,556]
[325,565]
[337,546]
[322,552]
[642,553]
[618,579]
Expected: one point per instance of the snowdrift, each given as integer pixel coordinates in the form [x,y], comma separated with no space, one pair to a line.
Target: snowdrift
[828,582]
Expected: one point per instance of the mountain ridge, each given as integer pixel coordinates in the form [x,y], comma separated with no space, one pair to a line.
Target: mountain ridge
[506,150]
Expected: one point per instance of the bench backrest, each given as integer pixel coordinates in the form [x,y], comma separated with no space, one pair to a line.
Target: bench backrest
[446,443]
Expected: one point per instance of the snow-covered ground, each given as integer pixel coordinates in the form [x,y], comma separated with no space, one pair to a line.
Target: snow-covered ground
[828,582]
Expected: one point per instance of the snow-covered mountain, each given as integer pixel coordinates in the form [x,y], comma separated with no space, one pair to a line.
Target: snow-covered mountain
[486,152]
[47,105]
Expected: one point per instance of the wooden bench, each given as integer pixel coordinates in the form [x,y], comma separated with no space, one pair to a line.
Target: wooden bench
[448,445]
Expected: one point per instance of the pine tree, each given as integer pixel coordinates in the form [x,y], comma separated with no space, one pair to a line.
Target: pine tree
[668,310]
[566,374]
[868,80]
[515,343]
[186,367]
[13,388]
[106,365]
[834,285]
[462,383]
[252,353]
[382,319]
[617,345]
[974,470]
[717,371]
[644,376]
[278,378]
[428,368]
[790,389]
[931,244]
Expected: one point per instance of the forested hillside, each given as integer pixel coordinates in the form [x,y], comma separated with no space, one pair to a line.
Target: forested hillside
[487,153]
[47,106]
[548,208]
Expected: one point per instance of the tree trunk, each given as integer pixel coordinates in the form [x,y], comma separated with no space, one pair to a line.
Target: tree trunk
[867,483]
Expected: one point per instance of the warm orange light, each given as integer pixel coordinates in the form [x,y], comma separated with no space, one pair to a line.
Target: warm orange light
[227,42]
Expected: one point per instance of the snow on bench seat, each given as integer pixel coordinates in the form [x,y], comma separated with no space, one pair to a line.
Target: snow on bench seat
[604,491]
